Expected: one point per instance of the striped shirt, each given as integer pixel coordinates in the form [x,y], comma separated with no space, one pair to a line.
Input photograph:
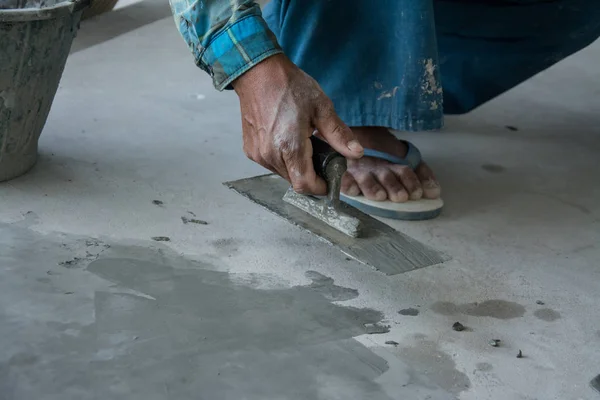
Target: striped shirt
[226,37]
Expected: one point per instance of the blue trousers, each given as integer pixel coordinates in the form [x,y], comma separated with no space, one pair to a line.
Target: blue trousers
[402,64]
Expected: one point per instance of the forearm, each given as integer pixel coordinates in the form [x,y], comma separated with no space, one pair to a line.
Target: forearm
[226,37]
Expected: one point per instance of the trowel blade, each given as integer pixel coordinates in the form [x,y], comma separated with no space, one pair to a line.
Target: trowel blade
[379,246]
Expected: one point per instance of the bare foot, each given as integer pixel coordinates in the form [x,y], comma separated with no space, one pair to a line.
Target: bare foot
[381,180]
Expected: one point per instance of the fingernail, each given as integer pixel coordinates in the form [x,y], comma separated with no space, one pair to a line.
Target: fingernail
[354,146]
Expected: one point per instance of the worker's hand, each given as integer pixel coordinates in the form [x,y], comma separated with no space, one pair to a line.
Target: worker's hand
[281,108]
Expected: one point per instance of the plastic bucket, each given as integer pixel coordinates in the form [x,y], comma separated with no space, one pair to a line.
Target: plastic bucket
[35,40]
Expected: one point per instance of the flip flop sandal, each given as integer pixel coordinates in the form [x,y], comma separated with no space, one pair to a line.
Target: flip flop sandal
[412,210]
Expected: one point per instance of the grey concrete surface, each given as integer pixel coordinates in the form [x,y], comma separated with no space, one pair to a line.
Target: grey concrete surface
[249,307]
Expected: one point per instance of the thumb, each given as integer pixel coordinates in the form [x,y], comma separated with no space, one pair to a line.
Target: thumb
[336,132]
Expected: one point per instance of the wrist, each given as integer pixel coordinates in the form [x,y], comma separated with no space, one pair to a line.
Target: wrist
[268,70]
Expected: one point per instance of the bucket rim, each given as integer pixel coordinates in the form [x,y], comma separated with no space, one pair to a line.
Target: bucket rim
[36,14]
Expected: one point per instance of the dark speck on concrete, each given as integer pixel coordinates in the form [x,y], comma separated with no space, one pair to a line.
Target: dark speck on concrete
[412,312]
[157,202]
[520,354]
[595,383]
[376,328]
[70,263]
[547,314]
[493,168]
[187,220]
[161,238]
[191,213]
[392,343]
[495,342]
[540,303]
[458,327]
[511,128]
[69,292]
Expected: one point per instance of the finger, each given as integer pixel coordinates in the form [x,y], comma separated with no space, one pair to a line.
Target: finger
[335,131]
[392,185]
[431,187]
[370,187]
[409,180]
[349,185]
[300,169]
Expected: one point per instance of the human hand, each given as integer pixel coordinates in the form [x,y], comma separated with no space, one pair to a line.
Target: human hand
[281,109]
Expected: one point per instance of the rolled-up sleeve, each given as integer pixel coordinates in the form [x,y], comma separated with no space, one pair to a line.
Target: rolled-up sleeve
[226,37]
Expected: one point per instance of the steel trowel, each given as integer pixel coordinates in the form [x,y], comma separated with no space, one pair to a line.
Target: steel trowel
[356,234]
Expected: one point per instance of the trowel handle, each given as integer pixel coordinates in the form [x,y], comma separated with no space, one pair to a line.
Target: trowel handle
[323,155]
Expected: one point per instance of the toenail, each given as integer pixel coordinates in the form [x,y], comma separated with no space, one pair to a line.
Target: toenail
[353,190]
[380,195]
[416,194]
[402,196]
[430,184]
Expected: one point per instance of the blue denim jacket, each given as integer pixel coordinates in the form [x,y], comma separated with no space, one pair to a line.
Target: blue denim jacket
[226,37]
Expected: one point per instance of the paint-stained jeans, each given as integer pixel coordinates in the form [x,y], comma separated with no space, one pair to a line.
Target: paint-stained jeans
[383,64]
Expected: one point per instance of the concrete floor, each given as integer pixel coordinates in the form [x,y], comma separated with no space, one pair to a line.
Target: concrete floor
[249,307]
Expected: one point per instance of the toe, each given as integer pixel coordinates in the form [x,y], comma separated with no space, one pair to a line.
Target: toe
[349,185]
[431,187]
[370,187]
[409,180]
[392,185]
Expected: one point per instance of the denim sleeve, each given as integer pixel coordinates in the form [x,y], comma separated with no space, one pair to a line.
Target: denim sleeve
[226,37]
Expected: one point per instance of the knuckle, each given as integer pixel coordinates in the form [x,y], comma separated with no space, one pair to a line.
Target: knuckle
[386,175]
[289,149]
[301,186]
[338,130]
[324,106]
[265,154]
[404,169]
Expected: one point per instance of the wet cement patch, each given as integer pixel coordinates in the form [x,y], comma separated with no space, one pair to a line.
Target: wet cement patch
[500,309]
[411,312]
[547,314]
[145,322]
[326,287]
[439,367]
